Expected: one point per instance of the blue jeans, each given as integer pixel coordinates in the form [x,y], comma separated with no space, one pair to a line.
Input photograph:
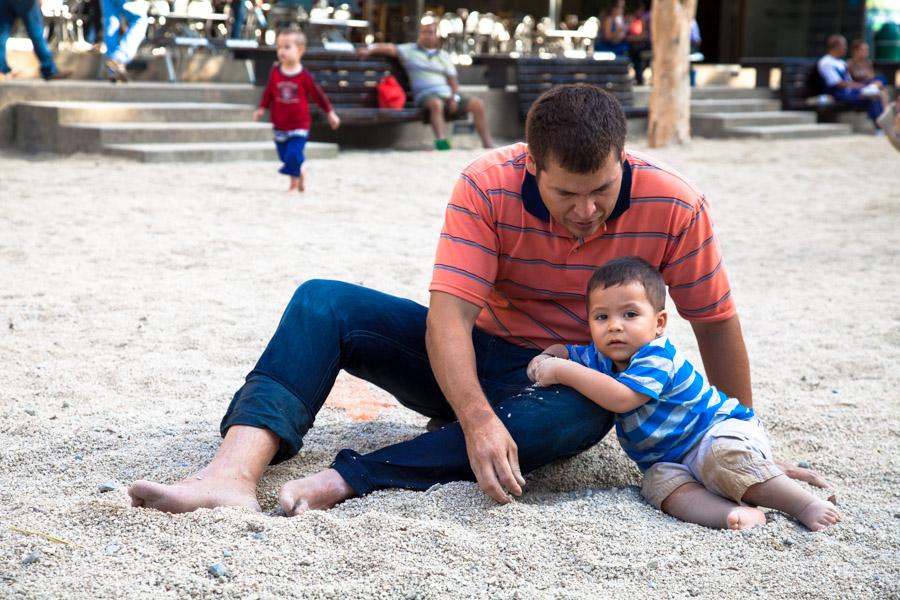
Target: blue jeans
[330,325]
[239,12]
[122,47]
[853,97]
[30,13]
[290,152]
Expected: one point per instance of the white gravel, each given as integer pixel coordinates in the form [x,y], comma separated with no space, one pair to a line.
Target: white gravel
[134,298]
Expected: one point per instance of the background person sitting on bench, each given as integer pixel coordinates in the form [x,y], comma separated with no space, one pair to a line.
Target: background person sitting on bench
[841,86]
[434,83]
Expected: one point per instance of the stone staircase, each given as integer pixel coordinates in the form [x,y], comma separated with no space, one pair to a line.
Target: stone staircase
[721,111]
[753,113]
[150,122]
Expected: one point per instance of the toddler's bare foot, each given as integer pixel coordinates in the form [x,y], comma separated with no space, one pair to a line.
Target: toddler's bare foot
[196,491]
[819,514]
[745,517]
[300,186]
[316,492]
[295,182]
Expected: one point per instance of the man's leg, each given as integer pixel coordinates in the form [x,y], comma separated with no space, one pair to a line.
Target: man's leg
[435,108]
[239,13]
[109,12]
[476,107]
[547,424]
[135,31]
[34,26]
[327,326]
[6,21]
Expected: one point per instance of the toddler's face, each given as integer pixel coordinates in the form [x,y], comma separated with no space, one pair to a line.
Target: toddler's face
[289,50]
[622,320]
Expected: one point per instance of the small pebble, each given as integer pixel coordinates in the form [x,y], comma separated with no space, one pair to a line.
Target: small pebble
[32,557]
[304,562]
[834,391]
[112,549]
[226,553]
[255,526]
[653,564]
[217,570]
[803,464]
[30,412]
[260,535]
[78,457]
[787,542]
[107,487]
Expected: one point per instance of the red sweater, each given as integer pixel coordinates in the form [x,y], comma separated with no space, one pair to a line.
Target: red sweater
[287,99]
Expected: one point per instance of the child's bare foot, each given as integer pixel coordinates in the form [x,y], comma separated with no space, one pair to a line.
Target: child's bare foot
[316,492]
[295,182]
[745,517]
[819,514]
[300,186]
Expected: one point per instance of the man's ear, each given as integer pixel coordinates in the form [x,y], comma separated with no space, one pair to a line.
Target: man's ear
[662,317]
[530,165]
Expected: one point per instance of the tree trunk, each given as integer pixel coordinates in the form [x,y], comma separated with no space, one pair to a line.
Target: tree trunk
[670,95]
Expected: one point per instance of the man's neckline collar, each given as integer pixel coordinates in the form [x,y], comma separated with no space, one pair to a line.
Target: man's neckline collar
[534,204]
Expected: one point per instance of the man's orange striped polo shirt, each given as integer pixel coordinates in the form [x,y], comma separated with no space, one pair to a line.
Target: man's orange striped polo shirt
[501,250]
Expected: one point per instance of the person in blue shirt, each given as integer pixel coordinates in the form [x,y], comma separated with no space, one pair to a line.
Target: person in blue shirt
[705,457]
[832,69]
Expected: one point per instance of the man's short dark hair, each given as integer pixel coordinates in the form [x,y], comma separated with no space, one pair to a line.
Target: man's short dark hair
[628,269]
[835,40]
[578,126]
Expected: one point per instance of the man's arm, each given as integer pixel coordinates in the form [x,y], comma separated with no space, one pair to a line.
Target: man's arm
[724,357]
[492,452]
[389,50]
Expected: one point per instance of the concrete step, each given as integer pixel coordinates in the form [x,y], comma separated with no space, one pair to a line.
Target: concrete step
[774,132]
[739,105]
[715,124]
[105,112]
[95,135]
[102,91]
[716,92]
[197,152]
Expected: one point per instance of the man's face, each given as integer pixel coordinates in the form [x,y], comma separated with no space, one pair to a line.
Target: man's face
[622,321]
[580,202]
[428,36]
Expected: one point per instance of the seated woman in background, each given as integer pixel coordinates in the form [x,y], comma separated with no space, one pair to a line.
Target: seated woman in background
[613,31]
[861,69]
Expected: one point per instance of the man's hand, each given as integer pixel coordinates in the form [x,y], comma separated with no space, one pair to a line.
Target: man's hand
[334,121]
[452,106]
[548,371]
[494,458]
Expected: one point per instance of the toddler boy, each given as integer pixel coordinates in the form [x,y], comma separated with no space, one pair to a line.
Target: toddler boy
[705,457]
[287,98]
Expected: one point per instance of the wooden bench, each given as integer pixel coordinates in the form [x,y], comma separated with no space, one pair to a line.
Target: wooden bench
[534,76]
[349,82]
[802,88]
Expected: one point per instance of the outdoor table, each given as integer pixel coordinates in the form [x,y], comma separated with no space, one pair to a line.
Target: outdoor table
[497,68]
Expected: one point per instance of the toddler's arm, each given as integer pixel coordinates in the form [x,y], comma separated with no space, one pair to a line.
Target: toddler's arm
[334,121]
[258,113]
[557,350]
[601,388]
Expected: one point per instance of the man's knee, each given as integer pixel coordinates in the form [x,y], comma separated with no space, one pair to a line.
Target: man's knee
[475,106]
[434,105]
[318,296]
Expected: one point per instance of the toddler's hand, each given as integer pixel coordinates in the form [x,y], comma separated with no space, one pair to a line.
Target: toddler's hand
[258,114]
[547,371]
[531,371]
[333,120]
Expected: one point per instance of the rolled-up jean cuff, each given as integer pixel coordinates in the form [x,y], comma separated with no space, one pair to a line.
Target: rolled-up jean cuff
[279,401]
[347,464]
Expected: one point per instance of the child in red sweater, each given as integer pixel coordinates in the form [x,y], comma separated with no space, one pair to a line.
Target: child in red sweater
[287,97]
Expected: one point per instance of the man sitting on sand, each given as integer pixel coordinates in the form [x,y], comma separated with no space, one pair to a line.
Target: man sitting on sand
[525,228]
[434,83]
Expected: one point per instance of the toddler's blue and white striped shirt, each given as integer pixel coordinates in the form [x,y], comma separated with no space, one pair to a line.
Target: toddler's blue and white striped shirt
[682,405]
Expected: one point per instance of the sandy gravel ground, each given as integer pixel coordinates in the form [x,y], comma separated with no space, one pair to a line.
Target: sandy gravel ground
[134,298]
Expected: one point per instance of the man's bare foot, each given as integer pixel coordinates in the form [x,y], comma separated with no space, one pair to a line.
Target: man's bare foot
[191,493]
[819,514]
[745,517]
[316,492]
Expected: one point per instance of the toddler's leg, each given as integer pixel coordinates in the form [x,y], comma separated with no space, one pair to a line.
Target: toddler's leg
[695,504]
[781,493]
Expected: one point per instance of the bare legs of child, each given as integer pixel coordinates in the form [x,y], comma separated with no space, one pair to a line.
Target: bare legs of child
[695,504]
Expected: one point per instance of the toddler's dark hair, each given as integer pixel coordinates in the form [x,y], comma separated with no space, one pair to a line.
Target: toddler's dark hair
[626,270]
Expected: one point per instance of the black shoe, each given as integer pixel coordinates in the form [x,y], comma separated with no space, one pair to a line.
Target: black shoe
[61,74]
[435,423]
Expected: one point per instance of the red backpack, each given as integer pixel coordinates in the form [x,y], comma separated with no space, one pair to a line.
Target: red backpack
[390,93]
